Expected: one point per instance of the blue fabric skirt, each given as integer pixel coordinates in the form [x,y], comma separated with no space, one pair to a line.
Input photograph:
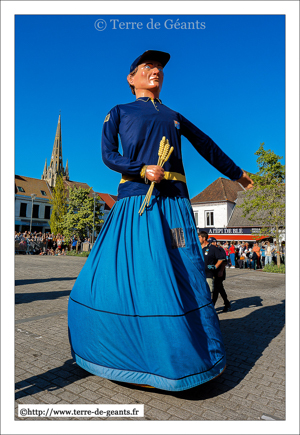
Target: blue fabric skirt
[140,310]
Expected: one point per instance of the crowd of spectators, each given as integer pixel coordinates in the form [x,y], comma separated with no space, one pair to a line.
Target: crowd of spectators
[238,254]
[252,256]
[37,243]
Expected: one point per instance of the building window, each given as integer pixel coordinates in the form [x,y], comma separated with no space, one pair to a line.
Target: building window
[23,209]
[196,218]
[43,193]
[209,218]
[35,212]
[47,211]
[20,189]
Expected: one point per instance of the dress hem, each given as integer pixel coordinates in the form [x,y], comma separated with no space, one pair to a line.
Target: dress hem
[155,381]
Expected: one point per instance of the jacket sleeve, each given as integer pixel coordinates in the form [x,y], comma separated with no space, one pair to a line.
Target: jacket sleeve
[209,150]
[110,147]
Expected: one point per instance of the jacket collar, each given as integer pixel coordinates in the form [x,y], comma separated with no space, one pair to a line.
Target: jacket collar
[145,99]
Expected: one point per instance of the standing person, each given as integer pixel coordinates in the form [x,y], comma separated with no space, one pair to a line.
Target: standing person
[50,241]
[232,255]
[140,310]
[262,256]
[28,244]
[74,243]
[44,243]
[256,249]
[212,259]
[268,254]
[274,252]
[252,259]
[282,258]
[242,258]
[225,247]
[220,278]
[59,242]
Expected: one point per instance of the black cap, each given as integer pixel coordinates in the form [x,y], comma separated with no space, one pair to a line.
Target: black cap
[159,56]
[211,239]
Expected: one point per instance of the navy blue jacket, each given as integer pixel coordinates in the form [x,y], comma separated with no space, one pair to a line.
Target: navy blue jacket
[141,126]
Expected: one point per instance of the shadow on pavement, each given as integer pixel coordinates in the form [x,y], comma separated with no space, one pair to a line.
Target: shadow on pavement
[42,280]
[51,380]
[245,340]
[25,298]
[238,304]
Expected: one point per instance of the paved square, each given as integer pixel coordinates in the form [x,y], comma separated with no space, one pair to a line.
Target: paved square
[251,388]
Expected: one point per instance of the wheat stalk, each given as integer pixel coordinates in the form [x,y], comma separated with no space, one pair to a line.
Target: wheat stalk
[164,153]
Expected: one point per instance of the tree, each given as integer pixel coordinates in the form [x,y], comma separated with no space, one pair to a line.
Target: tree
[266,201]
[59,206]
[79,218]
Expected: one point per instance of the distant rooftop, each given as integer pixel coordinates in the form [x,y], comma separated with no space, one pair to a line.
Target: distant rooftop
[221,189]
[77,184]
[237,220]
[26,186]
[108,199]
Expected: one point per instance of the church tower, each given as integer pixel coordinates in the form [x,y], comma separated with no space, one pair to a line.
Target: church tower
[56,163]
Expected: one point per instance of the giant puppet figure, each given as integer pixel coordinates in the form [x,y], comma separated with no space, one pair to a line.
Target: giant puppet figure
[141,310]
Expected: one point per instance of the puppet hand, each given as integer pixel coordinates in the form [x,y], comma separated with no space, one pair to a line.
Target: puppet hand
[211,266]
[245,181]
[155,173]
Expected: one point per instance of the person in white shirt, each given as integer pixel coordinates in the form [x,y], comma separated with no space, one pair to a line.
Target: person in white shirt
[269,250]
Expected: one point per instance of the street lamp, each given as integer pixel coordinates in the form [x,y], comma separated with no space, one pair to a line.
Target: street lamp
[94,196]
[33,196]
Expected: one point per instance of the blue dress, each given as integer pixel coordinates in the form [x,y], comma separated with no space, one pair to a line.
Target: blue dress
[140,310]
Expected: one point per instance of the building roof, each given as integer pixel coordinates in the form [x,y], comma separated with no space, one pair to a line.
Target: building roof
[221,189]
[77,184]
[32,185]
[108,199]
[237,220]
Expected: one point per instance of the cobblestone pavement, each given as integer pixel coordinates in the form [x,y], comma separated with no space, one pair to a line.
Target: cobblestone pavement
[251,388]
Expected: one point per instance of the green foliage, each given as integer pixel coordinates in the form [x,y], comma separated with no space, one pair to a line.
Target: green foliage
[59,206]
[79,218]
[271,171]
[273,268]
[74,254]
[265,203]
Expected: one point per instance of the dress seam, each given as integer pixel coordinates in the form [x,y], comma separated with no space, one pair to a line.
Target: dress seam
[137,315]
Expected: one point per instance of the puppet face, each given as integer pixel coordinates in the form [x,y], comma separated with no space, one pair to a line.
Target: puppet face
[149,76]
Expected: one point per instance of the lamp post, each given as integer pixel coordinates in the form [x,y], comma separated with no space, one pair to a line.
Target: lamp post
[93,237]
[33,196]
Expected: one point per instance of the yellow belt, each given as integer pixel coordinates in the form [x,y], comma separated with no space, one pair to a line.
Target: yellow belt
[173,176]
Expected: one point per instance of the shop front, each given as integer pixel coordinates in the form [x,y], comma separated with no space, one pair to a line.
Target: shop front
[244,234]
[38,226]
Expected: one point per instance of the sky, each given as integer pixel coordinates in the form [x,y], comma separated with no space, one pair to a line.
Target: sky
[226,75]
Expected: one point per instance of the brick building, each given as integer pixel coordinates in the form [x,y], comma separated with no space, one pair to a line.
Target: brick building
[39,206]
[32,195]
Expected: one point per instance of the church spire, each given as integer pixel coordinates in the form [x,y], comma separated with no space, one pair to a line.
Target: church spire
[56,163]
[45,169]
[67,171]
